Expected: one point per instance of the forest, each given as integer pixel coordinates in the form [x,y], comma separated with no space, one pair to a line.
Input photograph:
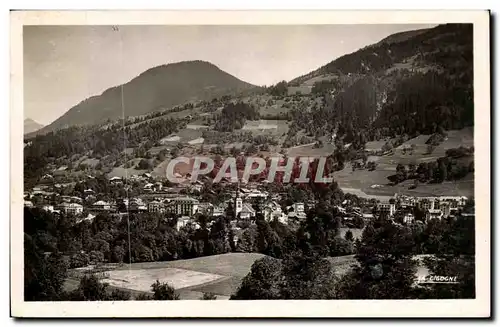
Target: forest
[294,269]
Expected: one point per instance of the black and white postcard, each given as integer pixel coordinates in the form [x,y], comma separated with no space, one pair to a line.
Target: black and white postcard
[250,164]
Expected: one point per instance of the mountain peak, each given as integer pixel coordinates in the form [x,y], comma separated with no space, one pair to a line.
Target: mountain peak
[31,126]
[162,86]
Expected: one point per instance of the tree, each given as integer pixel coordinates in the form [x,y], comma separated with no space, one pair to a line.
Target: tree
[401,173]
[118,254]
[263,282]
[443,172]
[430,148]
[163,291]
[143,297]
[307,277]
[454,256]
[248,240]
[90,289]
[79,260]
[119,295]
[371,165]
[386,269]
[412,169]
[44,276]
[349,236]
[144,164]
[208,296]
[341,246]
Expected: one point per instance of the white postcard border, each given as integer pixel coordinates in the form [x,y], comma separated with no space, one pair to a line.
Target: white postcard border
[479,307]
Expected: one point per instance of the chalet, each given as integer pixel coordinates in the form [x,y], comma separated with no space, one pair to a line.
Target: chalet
[247,212]
[296,211]
[158,187]
[469,212]
[71,208]
[48,208]
[237,234]
[76,199]
[253,194]
[455,201]
[101,206]
[356,211]
[148,187]
[273,211]
[61,171]
[38,191]
[367,216]
[206,208]
[89,217]
[116,180]
[47,177]
[88,192]
[137,205]
[341,210]
[218,211]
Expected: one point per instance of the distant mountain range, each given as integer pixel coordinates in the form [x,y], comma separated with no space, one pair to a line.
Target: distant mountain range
[31,126]
[158,88]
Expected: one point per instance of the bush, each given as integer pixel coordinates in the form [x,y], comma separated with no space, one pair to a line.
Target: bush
[208,296]
[163,291]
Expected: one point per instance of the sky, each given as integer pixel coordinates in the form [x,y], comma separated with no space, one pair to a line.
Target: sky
[64,65]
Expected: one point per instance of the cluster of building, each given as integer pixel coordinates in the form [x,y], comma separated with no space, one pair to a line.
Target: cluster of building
[244,203]
[156,198]
[433,207]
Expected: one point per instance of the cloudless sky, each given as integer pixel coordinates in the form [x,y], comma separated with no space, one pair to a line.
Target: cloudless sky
[64,65]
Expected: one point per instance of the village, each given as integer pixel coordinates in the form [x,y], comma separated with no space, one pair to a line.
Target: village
[245,201]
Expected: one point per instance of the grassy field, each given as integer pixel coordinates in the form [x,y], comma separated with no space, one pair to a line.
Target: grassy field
[375,183]
[141,279]
[308,150]
[219,274]
[266,127]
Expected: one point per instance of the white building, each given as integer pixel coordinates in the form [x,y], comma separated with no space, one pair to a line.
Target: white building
[433,214]
[116,180]
[296,211]
[409,218]
[238,205]
[88,192]
[101,206]
[156,206]
[387,207]
[148,187]
[185,206]
[246,212]
[48,208]
[72,208]
[182,222]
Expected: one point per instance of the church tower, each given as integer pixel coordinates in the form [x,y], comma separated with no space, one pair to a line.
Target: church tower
[238,202]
